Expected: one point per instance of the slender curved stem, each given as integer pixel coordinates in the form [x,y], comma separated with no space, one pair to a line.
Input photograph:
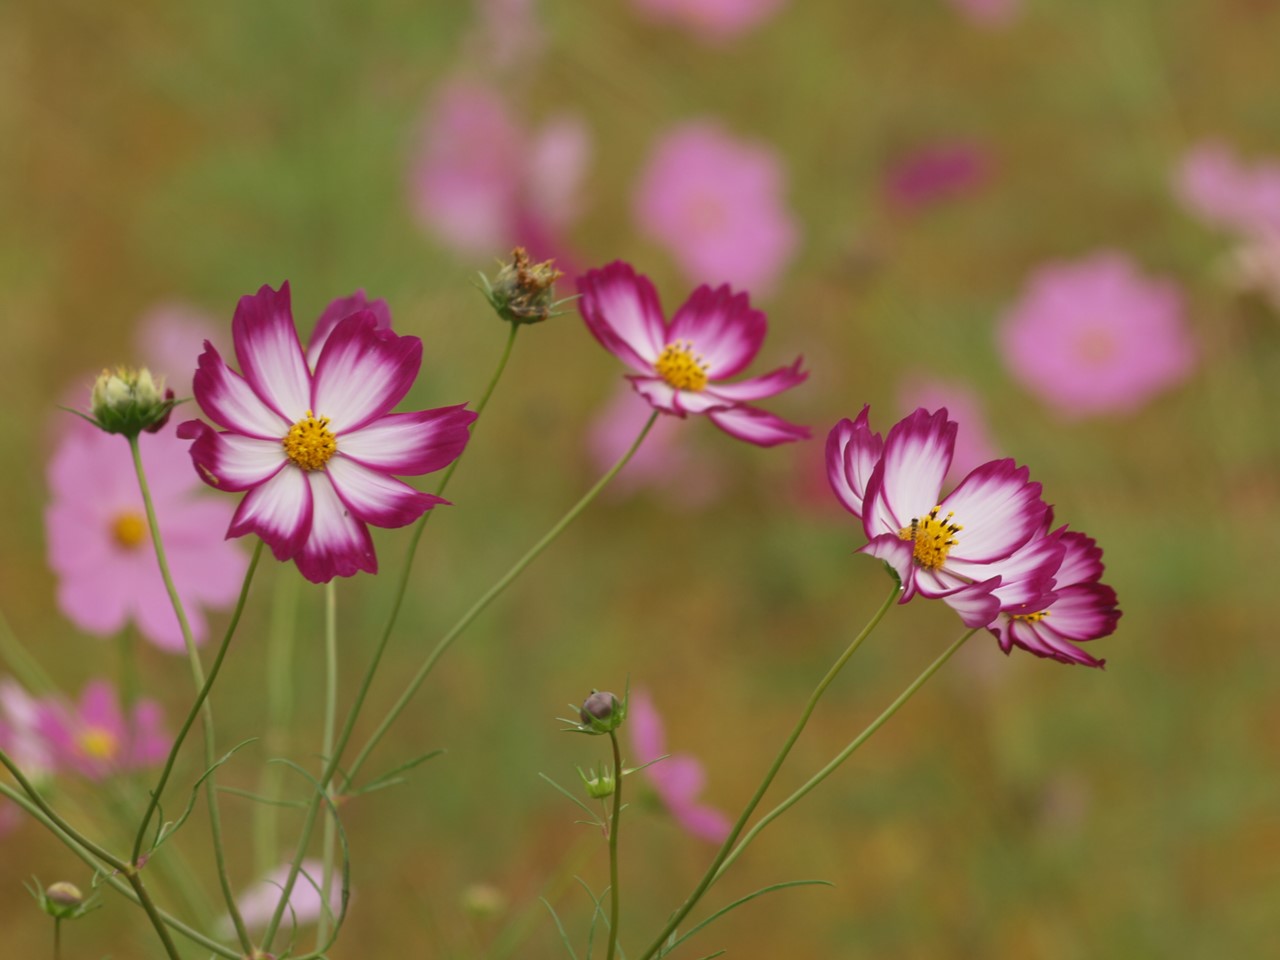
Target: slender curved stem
[206,710]
[613,847]
[276,738]
[847,752]
[713,870]
[330,729]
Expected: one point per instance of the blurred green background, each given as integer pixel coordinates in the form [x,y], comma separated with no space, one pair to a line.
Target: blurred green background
[155,151]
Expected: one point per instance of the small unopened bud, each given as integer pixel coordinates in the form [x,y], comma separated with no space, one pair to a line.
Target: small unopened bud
[598,786]
[598,706]
[523,292]
[62,900]
[129,401]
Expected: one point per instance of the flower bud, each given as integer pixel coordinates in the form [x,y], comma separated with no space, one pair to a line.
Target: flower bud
[602,712]
[62,900]
[598,786]
[128,401]
[523,292]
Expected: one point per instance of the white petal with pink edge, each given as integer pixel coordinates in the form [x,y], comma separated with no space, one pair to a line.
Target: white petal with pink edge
[411,443]
[1026,575]
[270,353]
[999,510]
[722,328]
[279,511]
[230,461]
[362,373]
[1044,642]
[1084,611]
[700,401]
[338,310]
[658,392]
[897,553]
[917,455]
[757,426]
[1082,562]
[621,308]
[230,402]
[757,388]
[851,456]
[375,497]
[339,544]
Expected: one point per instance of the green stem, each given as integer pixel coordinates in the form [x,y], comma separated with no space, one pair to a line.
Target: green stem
[367,681]
[330,727]
[25,667]
[206,710]
[57,938]
[722,854]
[847,752]
[613,847]
[149,907]
[276,741]
[478,607]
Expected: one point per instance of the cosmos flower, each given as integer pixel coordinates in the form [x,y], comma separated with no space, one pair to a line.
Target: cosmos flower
[258,903]
[678,779]
[95,738]
[973,437]
[1096,336]
[713,21]
[20,734]
[942,547]
[315,447]
[1213,183]
[680,365]
[716,204]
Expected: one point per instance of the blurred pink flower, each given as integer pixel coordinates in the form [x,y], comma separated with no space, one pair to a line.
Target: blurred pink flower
[170,337]
[258,902]
[508,32]
[1095,336]
[1216,186]
[20,735]
[989,13]
[714,21]
[974,445]
[483,184]
[936,172]
[663,462]
[716,203]
[95,739]
[100,546]
[678,779]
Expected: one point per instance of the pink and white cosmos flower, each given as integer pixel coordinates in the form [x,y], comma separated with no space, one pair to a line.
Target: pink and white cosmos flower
[1081,608]
[943,547]
[679,365]
[310,436]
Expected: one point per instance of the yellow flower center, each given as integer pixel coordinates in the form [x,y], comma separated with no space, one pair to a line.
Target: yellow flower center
[129,529]
[99,743]
[933,538]
[681,367]
[1030,617]
[309,443]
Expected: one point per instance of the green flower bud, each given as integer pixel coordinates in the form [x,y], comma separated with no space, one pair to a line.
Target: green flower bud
[128,401]
[63,900]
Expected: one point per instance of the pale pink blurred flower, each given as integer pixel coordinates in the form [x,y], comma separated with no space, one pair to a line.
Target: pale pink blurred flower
[716,203]
[96,739]
[483,183]
[1096,336]
[1255,266]
[258,902]
[20,734]
[1216,186]
[988,13]
[678,779]
[508,33]
[974,445]
[713,21]
[170,338]
[100,545]
[663,463]
[936,172]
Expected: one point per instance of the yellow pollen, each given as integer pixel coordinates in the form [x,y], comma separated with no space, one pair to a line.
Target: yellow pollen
[681,367]
[1030,617]
[129,529]
[933,538]
[309,443]
[99,743]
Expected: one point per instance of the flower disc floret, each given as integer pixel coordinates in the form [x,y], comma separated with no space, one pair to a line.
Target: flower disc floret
[681,367]
[309,443]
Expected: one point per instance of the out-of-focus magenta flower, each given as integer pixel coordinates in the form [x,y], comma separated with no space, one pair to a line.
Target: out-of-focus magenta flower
[95,738]
[316,448]
[1082,608]
[100,545]
[714,21]
[1213,183]
[943,548]
[1095,336]
[974,445]
[935,173]
[714,335]
[258,903]
[716,203]
[663,462]
[483,184]
[988,13]
[678,779]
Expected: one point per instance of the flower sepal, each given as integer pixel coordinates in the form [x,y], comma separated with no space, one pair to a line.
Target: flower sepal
[128,401]
[63,900]
[598,785]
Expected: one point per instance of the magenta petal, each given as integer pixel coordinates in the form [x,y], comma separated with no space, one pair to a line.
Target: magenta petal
[1027,576]
[621,309]
[1082,561]
[999,510]
[704,822]
[975,603]
[1044,642]
[270,354]
[229,461]
[375,497]
[229,401]
[722,328]
[757,388]
[852,454]
[757,426]
[279,511]
[408,444]
[362,373]
[1084,611]
[339,310]
[338,544]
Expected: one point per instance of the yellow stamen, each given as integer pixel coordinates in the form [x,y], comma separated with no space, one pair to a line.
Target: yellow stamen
[681,367]
[99,743]
[1031,617]
[933,538]
[129,529]
[309,443]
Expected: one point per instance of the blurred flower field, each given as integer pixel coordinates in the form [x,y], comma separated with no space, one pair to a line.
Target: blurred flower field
[1059,220]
